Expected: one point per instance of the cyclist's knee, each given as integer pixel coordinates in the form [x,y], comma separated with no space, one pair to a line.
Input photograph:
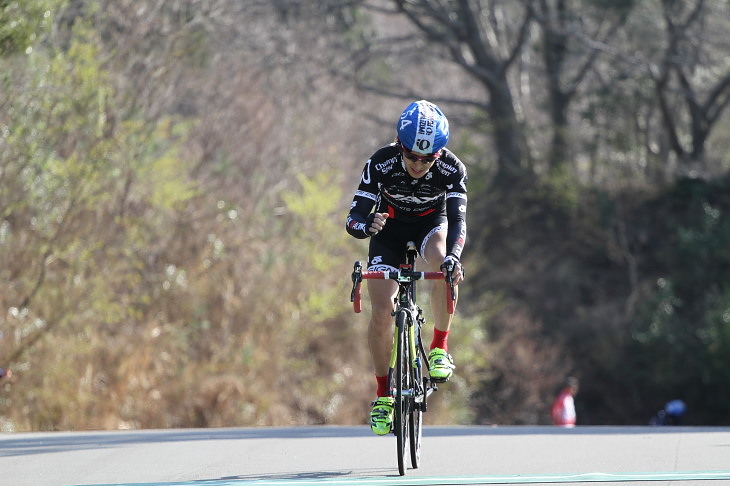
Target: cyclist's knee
[435,250]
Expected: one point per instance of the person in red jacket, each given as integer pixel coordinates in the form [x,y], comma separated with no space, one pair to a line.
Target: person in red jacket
[563,409]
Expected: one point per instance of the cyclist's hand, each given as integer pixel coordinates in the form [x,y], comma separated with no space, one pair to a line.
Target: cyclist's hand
[458,274]
[376,222]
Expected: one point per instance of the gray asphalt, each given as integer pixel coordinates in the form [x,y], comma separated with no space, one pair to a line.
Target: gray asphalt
[353,455]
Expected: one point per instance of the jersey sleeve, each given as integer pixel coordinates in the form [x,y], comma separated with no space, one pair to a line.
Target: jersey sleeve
[362,204]
[456,215]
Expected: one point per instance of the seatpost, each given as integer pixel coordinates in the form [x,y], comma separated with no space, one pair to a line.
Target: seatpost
[411,255]
[412,252]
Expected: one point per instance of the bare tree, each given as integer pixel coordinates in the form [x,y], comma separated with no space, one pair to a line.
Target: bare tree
[572,40]
[480,38]
[692,83]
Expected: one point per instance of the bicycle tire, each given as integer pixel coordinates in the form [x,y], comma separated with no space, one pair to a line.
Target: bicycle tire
[401,401]
[415,426]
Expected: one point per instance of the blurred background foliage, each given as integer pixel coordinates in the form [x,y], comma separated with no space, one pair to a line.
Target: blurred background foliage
[174,179]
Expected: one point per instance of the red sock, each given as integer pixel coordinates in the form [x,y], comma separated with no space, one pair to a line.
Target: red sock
[382,386]
[440,339]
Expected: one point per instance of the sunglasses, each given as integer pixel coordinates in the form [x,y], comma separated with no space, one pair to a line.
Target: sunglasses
[424,159]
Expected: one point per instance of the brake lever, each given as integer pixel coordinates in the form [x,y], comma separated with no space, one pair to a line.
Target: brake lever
[356,279]
[449,267]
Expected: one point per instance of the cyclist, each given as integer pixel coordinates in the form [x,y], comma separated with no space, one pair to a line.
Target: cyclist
[417,189]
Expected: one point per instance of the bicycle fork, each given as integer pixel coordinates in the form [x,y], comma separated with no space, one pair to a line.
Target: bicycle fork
[416,352]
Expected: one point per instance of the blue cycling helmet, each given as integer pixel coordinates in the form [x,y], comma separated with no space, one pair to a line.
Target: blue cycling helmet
[423,128]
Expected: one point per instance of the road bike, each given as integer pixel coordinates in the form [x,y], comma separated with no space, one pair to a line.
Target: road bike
[409,378]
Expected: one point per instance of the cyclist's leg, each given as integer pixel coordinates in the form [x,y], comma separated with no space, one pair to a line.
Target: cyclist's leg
[383,255]
[386,252]
[380,340]
[434,251]
[380,330]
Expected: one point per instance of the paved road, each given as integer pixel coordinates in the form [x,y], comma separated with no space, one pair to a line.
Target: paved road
[353,456]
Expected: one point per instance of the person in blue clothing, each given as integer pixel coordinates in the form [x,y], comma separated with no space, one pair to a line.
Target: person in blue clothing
[672,414]
[413,189]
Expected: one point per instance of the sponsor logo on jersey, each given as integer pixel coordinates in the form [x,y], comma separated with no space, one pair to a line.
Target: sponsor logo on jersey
[386,166]
[366,173]
[445,168]
[366,195]
[381,268]
[412,201]
[354,225]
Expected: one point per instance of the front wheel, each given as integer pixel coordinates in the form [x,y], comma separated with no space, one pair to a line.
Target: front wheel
[418,403]
[415,428]
[402,381]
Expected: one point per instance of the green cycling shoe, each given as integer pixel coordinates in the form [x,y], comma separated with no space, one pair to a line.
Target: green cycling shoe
[440,364]
[381,417]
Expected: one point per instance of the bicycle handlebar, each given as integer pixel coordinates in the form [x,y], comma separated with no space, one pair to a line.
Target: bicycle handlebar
[404,275]
[401,276]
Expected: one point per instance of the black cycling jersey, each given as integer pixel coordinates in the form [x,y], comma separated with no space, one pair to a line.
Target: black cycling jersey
[386,186]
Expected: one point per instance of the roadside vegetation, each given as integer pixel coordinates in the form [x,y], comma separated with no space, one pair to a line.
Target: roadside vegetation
[174,179]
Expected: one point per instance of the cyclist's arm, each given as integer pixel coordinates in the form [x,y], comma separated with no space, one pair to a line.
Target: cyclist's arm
[360,218]
[456,214]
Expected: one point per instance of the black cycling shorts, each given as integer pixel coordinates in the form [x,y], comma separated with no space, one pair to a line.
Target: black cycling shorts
[388,247]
